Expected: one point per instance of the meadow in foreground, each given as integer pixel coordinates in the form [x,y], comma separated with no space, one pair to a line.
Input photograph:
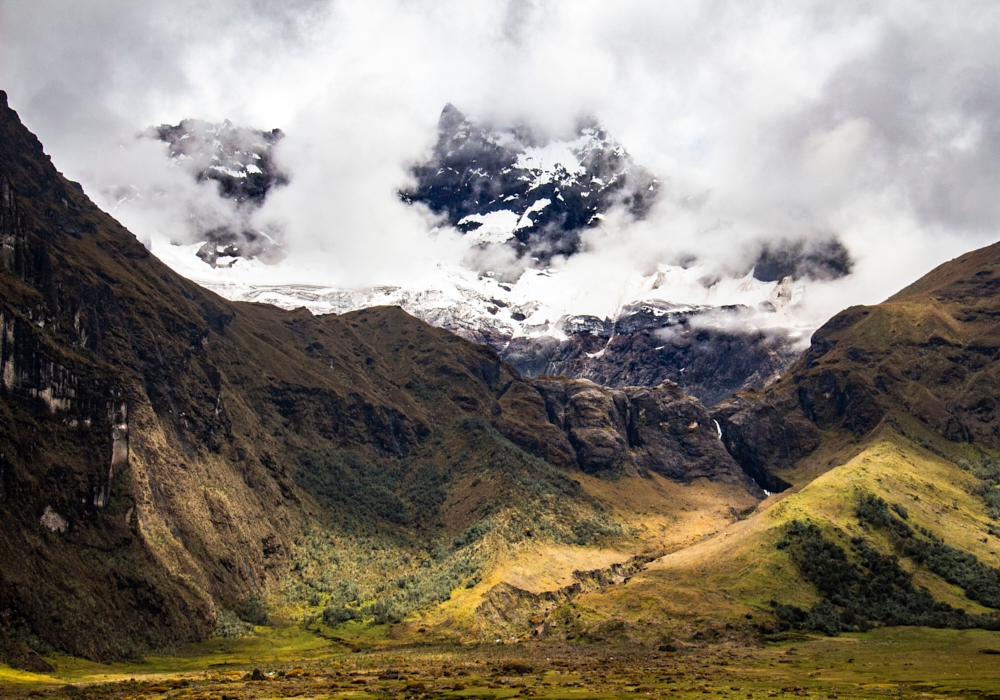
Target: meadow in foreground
[291,662]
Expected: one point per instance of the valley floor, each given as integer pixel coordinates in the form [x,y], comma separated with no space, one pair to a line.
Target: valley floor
[292,662]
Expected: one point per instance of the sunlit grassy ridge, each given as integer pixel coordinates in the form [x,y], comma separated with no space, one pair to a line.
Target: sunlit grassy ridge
[741,569]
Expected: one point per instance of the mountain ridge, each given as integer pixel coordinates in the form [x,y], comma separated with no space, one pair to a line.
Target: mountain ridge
[927,351]
[170,461]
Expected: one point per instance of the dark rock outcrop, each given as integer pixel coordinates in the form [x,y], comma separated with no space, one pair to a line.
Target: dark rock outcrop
[818,258]
[649,344]
[475,170]
[241,161]
[636,430]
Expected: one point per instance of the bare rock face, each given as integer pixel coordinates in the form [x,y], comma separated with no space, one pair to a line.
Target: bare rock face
[638,430]
[650,343]
[240,161]
[593,421]
[765,437]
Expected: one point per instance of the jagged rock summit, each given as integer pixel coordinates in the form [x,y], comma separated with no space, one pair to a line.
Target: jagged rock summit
[240,161]
[508,185]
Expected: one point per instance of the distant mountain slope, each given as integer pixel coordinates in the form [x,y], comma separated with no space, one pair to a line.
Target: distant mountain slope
[931,352]
[507,187]
[650,343]
[883,442]
[165,454]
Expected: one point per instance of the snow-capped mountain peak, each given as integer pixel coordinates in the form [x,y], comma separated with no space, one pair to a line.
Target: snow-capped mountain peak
[505,185]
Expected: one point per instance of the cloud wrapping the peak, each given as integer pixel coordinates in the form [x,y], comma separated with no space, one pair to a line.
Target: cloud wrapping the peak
[876,124]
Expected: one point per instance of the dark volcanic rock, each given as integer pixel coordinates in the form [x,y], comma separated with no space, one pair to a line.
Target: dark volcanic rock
[236,157]
[639,429]
[649,344]
[475,170]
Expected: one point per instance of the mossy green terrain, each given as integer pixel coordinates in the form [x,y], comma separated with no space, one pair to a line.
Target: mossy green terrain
[902,662]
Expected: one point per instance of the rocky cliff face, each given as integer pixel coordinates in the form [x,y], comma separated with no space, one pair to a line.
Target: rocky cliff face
[638,430]
[648,344]
[237,157]
[930,352]
[160,447]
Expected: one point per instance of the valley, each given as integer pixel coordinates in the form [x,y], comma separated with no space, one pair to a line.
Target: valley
[202,498]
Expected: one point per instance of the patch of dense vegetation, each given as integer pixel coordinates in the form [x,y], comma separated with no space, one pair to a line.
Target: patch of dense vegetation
[980,582]
[342,481]
[858,595]
[404,491]
[242,618]
[366,565]
[987,488]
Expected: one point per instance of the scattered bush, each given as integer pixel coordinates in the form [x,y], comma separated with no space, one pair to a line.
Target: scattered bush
[472,533]
[980,582]
[342,481]
[359,565]
[252,609]
[988,487]
[857,596]
[228,624]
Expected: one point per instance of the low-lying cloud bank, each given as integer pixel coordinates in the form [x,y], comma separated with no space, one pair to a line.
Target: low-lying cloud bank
[877,126]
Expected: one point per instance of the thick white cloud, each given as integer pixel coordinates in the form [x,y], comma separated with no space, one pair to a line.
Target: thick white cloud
[878,122]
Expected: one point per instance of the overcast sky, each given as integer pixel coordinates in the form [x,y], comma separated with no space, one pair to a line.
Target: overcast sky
[878,122]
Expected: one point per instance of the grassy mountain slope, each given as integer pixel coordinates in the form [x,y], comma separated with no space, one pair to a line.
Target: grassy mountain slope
[929,352]
[891,402]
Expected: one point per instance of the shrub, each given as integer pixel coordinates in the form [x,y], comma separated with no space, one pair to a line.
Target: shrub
[252,609]
[336,614]
[980,582]
[472,533]
[988,486]
[228,624]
